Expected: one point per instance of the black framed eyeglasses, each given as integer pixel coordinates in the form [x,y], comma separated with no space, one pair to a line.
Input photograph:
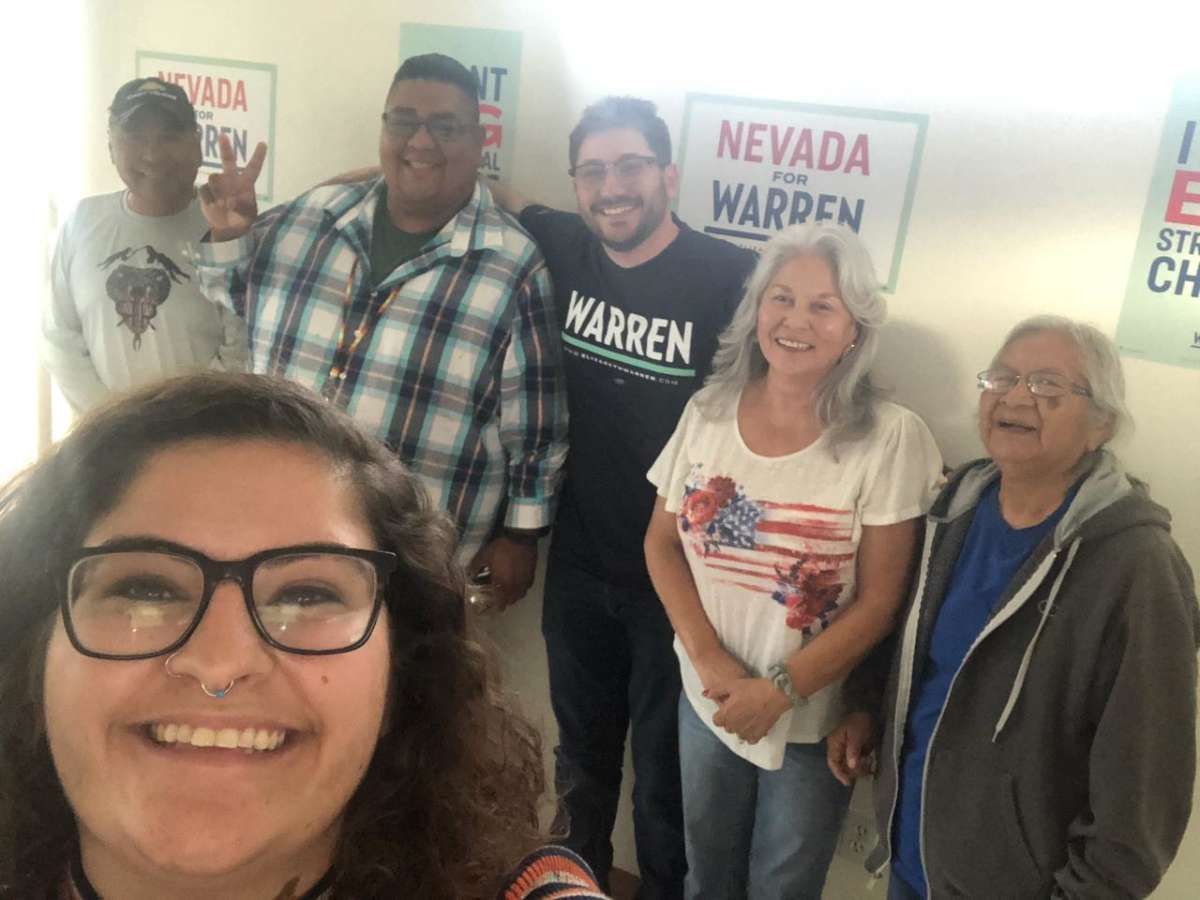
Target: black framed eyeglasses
[443,129]
[1040,384]
[628,168]
[139,599]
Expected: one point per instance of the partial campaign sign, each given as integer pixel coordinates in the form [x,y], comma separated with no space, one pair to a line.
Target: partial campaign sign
[231,98]
[1160,319]
[752,167]
[494,57]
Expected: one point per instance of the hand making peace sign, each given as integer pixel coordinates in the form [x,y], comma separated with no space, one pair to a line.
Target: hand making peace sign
[228,199]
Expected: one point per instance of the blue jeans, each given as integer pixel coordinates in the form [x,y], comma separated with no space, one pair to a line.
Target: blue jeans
[612,670]
[898,889]
[754,833]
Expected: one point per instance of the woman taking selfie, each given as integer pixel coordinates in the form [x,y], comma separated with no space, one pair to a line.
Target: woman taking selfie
[235,665]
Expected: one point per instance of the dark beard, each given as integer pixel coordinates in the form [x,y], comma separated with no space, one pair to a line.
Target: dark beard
[644,229]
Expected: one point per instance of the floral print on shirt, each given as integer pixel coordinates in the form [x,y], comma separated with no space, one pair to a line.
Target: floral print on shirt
[794,553]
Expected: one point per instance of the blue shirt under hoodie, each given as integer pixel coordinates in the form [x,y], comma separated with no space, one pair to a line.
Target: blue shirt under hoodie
[991,555]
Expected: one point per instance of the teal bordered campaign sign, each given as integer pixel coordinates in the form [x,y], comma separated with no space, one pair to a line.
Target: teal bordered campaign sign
[751,167]
[232,98]
[1160,319]
[494,57]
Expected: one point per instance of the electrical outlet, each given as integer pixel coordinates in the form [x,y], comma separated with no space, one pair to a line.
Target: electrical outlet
[858,837]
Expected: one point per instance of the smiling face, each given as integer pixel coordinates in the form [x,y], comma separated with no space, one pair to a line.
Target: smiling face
[804,327]
[171,809]
[157,159]
[426,177]
[624,213]
[1039,436]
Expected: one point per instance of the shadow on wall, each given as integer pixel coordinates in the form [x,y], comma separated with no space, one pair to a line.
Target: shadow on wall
[922,369]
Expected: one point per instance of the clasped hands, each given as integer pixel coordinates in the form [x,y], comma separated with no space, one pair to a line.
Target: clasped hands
[748,707]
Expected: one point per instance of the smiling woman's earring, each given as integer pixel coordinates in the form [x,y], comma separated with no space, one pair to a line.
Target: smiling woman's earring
[847,351]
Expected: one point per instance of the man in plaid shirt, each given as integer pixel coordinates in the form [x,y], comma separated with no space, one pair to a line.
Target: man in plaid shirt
[413,302]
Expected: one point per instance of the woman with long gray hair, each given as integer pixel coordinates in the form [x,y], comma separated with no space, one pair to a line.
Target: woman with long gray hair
[780,546]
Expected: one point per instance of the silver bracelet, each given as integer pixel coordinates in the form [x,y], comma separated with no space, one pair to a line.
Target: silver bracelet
[782,679]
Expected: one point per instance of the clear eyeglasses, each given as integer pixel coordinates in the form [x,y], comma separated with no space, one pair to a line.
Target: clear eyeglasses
[1040,384]
[139,599]
[628,168]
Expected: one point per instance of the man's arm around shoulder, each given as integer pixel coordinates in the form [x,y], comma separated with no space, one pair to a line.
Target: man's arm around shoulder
[507,197]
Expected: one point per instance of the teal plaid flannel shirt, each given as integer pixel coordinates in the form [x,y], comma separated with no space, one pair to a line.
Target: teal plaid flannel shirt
[461,376]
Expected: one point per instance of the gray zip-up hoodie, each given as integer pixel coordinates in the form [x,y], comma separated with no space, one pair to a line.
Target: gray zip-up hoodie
[1062,762]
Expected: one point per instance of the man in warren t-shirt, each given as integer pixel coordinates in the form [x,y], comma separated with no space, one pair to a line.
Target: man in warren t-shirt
[641,299]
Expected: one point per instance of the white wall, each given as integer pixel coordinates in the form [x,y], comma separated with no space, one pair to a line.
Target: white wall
[40,173]
[1044,123]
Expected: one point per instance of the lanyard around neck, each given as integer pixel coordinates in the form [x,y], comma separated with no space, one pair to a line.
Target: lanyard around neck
[343,353]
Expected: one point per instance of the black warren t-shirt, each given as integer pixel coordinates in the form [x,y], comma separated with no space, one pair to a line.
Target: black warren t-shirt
[637,343]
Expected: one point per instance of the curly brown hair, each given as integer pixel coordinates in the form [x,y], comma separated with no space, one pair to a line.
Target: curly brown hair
[449,801]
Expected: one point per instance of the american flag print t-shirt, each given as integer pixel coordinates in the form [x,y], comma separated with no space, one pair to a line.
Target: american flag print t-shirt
[772,542]
[798,553]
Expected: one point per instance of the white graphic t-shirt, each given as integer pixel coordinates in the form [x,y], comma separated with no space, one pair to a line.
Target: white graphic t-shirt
[772,541]
[125,306]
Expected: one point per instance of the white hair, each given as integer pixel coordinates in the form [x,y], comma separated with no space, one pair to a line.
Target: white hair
[844,401]
[1100,362]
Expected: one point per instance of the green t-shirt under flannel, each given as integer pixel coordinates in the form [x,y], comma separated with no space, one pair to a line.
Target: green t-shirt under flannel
[390,246]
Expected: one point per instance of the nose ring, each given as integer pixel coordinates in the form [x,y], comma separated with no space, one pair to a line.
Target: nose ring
[218,695]
[215,694]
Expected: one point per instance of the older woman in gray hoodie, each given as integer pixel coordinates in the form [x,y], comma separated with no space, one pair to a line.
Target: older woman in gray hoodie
[1038,731]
